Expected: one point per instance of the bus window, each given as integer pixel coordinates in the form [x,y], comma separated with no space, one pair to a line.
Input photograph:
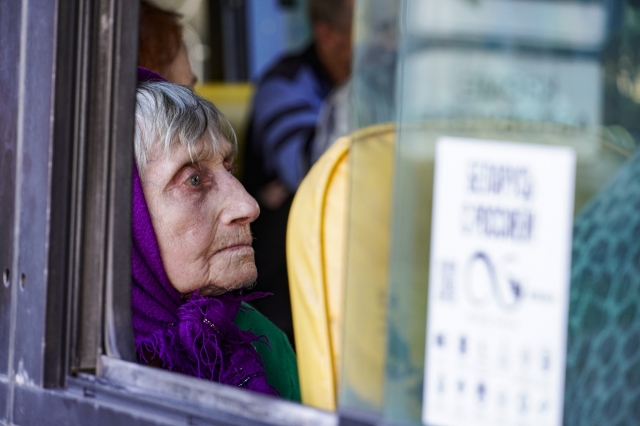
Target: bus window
[67,157]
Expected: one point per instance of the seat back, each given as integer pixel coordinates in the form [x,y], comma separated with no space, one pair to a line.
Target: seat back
[603,345]
[322,232]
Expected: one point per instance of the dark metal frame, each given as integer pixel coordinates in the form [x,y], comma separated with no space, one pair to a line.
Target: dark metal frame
[228,40]
[91,157]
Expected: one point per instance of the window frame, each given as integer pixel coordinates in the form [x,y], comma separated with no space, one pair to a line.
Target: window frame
[70,345]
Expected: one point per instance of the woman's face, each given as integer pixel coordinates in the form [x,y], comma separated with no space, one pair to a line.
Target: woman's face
[201,216]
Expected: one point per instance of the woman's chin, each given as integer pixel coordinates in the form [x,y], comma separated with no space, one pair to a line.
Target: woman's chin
[243,278]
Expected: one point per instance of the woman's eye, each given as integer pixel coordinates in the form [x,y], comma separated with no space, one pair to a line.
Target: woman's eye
[194,180]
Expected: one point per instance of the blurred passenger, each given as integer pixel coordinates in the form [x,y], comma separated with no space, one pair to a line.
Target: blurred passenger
[161,48]
[286,107]
[375,62]
[372,79]
[333,122]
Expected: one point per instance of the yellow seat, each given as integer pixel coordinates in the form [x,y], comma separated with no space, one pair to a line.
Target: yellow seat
[234,101]
[316,253]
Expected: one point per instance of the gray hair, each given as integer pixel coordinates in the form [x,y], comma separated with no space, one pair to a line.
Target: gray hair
[168,114]
[337,13]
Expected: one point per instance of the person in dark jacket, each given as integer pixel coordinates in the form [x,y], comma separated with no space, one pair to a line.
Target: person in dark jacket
[286,107]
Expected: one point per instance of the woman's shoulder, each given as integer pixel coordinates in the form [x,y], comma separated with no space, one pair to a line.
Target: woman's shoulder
[249,318]
[278,357]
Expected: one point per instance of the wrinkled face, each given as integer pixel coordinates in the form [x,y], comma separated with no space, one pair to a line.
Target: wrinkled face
[201,216]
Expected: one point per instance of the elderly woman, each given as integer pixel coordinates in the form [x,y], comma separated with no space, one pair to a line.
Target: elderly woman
[192,253]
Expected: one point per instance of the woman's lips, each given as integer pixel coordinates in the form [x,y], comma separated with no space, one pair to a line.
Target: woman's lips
[236,247]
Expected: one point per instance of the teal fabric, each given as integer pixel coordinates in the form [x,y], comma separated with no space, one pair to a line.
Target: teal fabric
[279,360]
[603,348]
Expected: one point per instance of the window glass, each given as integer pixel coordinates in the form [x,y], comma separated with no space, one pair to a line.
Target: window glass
[372,112]
[487,71]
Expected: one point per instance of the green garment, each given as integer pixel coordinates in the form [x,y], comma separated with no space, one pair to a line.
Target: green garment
[279,361]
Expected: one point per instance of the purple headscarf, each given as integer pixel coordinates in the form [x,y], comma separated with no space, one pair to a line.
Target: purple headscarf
[197,337]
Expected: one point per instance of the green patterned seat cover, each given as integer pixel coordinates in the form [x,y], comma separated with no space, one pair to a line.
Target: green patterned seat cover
[603,348]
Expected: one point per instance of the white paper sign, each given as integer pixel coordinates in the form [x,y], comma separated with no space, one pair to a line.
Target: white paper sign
[498,283]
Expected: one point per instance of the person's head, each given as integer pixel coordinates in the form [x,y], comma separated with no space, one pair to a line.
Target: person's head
[332,25]
[184,150]
[161,48]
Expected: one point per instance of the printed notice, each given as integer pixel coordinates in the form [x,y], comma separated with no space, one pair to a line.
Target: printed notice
[498,283]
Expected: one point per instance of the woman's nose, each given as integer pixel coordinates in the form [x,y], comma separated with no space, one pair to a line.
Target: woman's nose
[242,208]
